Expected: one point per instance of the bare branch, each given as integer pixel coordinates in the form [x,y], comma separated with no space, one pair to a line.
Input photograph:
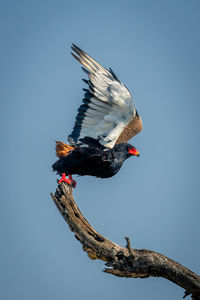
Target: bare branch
[120,261]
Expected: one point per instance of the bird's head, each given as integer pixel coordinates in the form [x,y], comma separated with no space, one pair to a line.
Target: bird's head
[127,150]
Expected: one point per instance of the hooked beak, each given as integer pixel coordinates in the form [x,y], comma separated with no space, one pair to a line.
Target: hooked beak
[134,152]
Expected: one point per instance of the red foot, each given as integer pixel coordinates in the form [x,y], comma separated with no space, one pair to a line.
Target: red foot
[69,181]
[72,180]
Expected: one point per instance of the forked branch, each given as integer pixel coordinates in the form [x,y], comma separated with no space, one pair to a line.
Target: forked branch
[120,261]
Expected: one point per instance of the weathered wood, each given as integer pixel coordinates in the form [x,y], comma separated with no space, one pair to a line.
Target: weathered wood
[120,261]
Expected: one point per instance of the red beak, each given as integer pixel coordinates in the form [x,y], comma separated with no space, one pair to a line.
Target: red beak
[134,152]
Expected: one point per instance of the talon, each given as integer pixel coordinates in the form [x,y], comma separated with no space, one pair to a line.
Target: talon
[69,181]
[73,182]
[63,178]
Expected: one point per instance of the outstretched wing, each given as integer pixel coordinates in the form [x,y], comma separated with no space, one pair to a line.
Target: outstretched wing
[108,108]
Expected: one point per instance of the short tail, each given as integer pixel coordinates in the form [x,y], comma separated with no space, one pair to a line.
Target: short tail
[63,149]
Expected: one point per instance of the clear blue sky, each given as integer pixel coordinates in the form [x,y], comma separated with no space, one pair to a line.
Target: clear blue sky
[153,46]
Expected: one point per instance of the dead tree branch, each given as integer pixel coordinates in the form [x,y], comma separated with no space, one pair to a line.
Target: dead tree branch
[120,261]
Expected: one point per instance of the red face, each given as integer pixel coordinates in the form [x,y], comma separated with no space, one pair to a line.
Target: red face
[133,151]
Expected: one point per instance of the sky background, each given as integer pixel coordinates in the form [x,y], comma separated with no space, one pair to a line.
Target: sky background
[153,47]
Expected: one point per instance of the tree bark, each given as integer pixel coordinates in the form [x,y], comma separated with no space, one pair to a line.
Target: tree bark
[120,261]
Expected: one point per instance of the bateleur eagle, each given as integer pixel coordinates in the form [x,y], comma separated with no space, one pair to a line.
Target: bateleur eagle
[106,120]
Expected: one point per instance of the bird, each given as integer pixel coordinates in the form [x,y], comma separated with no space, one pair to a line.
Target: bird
[107,119]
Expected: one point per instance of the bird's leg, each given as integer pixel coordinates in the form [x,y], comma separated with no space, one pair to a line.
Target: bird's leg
[63,178]
[69,180]
[73,182]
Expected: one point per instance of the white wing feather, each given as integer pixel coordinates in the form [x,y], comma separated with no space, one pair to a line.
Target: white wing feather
[108,107]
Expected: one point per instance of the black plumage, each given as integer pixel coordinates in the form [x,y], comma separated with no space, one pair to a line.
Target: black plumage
[94,159]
